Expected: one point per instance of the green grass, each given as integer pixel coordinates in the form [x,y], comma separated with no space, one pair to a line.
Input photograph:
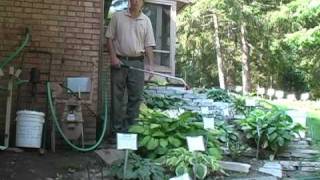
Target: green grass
[313,125]
[313,119]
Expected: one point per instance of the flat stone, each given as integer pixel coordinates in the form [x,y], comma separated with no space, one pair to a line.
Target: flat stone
[314,164]
[303,151]
[257,178]
[235,166]
[310,169]
[272,165]
[273,172]
[110,155]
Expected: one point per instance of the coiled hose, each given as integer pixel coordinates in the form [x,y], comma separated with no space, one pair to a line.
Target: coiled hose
[55,120]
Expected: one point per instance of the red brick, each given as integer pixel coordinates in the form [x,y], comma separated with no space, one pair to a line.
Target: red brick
[95,10]
[90,42]
[84,25]
[53,1]
[74,41]
[67,24]
[63,7]
[96,26]
[88,14]
[92,31]
[26,4]
[37,5]
[95,36]
[91,53]
[15,9]
[49,22]
[81,14]
[69,35]
[62,13]
[38,16]
[50,11]
[53,28]
[71,29]
[75,19]
[71,13]
[83,36]
[49,33]
[95,48]
[75,8]
[48,44]
[88,4]
[54,39]
[53,6]
[98,4]
[92,20]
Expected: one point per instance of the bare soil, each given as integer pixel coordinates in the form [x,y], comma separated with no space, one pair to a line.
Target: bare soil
[30,165]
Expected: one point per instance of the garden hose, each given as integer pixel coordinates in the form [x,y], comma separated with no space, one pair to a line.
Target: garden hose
[8,59]
[54,117]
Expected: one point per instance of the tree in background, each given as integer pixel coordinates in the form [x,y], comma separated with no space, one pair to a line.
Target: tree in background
[270,43]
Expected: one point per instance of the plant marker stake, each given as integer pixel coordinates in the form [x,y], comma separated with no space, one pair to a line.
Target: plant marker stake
[125,164]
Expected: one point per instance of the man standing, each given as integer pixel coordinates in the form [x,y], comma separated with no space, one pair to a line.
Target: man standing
[130,40]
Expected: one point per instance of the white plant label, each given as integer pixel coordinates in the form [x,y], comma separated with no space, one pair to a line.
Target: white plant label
[195,143]
[127,141]
[251,102]
[226,112]
[205,110]
[183,177]
[208,123]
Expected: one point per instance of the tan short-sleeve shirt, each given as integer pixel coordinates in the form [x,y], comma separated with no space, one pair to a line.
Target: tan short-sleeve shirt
[130,35]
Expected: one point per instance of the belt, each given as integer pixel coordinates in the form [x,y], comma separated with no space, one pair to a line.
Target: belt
[128,58]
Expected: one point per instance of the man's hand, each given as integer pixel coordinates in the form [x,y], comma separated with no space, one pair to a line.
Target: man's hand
[151,69]
[115,62]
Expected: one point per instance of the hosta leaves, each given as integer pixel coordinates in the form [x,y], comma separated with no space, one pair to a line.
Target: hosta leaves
[158,134]
[174,141]
[152,144]
[180,170]
[163,143]
[136,129]
[200,171]
[145,140]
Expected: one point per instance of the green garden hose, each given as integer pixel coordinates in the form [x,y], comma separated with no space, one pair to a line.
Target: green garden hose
[54,117]
[11,57]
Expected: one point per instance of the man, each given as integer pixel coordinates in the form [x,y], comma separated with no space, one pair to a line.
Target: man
[130,40]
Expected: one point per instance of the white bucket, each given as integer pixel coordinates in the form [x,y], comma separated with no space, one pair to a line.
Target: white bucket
[29,128]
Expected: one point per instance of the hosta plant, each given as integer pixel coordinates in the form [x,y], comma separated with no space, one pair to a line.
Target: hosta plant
[269,129]
[163,103]
[159,133]
[138,168]
[198,164]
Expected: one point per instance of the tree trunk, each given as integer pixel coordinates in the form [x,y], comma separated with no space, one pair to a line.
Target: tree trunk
[219,54]
[246,77]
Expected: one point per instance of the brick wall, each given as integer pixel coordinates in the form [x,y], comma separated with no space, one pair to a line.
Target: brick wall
[69,30]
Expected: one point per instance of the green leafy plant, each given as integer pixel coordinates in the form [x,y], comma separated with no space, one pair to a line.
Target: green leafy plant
[231,138]
[183,161]
[269,129]
[138,168]
[219,95]
[163,103]
[158,133]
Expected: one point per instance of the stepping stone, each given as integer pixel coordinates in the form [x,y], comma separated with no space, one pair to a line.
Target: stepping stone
[110,155]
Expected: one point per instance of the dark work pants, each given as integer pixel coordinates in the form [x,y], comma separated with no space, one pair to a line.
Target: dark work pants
[124,80]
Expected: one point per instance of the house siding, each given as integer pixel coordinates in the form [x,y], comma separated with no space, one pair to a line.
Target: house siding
[71,31]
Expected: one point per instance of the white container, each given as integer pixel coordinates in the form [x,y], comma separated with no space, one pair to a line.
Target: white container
[29,128]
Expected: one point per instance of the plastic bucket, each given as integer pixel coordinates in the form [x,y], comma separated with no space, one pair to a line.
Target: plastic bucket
[29,128]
